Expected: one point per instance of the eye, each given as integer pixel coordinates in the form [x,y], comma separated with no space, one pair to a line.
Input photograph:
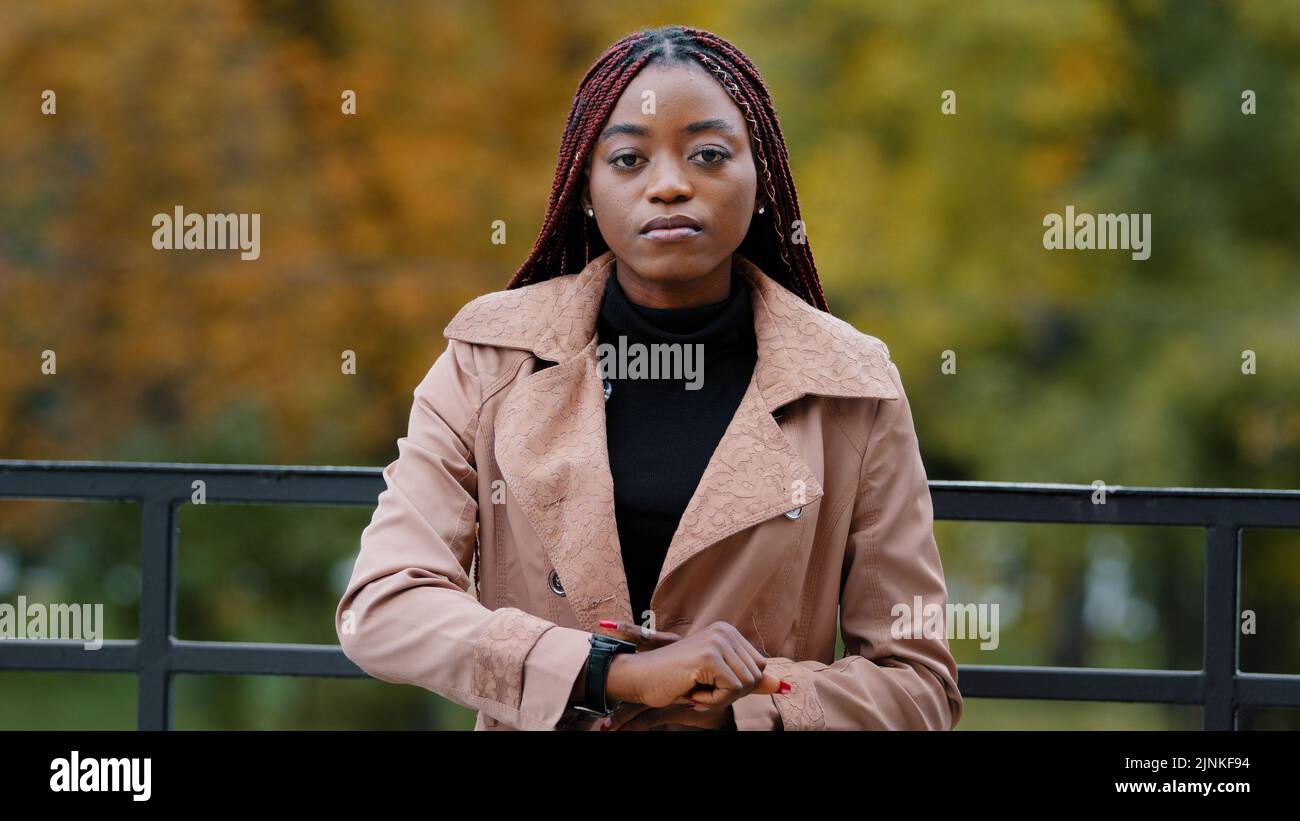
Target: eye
[723,155]
[615,162]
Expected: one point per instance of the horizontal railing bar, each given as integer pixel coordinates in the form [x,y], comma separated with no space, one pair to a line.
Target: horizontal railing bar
[977,501]
[1072,504]
[229,484]
[115,656]
[257,659]
[199,657]
[976,681]
[1267,690]
[1083,684]
[1140,490]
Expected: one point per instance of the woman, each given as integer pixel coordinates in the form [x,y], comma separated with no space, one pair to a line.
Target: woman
[738,509]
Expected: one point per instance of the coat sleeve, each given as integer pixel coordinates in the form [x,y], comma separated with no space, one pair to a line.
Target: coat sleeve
[407,615]
[884,681]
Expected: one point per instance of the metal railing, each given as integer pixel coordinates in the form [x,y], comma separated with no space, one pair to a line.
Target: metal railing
[157,655]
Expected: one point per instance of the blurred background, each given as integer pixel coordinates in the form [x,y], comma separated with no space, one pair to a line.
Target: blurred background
[926,229]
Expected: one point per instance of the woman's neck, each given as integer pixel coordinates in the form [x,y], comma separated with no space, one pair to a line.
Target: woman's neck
[711,288]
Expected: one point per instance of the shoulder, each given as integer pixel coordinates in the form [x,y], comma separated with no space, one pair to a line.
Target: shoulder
[807,329]
[493,334]
[853,370]
[850,336]
[830,357]
[847,334]
[512,318]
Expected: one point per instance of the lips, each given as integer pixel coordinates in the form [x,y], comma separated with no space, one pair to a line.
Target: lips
[671,221]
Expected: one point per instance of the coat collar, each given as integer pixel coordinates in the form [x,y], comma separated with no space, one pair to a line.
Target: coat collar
[550,429]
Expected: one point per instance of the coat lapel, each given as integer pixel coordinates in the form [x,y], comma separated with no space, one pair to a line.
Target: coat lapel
[551,438]
[755,473]
[550,442]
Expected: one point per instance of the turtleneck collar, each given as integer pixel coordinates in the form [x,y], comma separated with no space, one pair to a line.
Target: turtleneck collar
[718,324]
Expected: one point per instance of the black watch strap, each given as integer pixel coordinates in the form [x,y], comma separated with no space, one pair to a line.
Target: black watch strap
[599,659]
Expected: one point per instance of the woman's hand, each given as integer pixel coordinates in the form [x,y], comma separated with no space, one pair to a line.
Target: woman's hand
[711,668]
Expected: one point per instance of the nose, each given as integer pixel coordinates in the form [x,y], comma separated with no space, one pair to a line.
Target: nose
[668,182]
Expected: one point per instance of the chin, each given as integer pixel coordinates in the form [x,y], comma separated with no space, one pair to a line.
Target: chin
[668,266]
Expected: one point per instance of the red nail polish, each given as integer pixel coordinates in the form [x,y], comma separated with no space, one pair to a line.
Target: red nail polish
[612,625]
[785,688]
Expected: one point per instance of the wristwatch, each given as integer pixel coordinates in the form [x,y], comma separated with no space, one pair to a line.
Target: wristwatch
[601,656]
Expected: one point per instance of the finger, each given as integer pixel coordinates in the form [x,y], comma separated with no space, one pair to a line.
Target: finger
[743,666]
[703,695]
[643,637]
[748,663]
[752,665]
[729,682]
[738,639]
[725,675]
[759,658]
[769,684]
[749,670]
[643,632]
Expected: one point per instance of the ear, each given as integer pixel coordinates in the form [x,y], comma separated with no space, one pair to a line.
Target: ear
[584,195]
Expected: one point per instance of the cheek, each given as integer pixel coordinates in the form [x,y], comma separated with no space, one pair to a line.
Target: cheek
[609,194]
[738,226]
[740,204]
[744,187]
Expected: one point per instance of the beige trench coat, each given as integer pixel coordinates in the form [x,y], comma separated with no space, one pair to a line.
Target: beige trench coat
[813,507]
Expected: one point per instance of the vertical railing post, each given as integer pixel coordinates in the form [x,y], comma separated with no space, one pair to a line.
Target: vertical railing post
[1222,625]
[157,612]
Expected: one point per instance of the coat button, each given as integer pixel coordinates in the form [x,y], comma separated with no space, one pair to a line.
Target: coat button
[794,514]
[609,388]
[556,587]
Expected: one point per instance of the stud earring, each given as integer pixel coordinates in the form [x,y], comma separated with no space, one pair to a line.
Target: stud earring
[760,208]
[591,213]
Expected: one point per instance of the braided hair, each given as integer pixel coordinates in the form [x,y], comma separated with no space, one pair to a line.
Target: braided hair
[567,242]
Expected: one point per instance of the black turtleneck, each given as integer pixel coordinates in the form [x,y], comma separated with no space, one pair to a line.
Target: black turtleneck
[661,433]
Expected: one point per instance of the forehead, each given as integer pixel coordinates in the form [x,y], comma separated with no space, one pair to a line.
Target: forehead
[680,93]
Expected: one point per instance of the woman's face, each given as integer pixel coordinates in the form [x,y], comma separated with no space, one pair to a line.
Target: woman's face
[688,154]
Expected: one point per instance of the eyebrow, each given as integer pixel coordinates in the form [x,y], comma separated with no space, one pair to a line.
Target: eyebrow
[715,124]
